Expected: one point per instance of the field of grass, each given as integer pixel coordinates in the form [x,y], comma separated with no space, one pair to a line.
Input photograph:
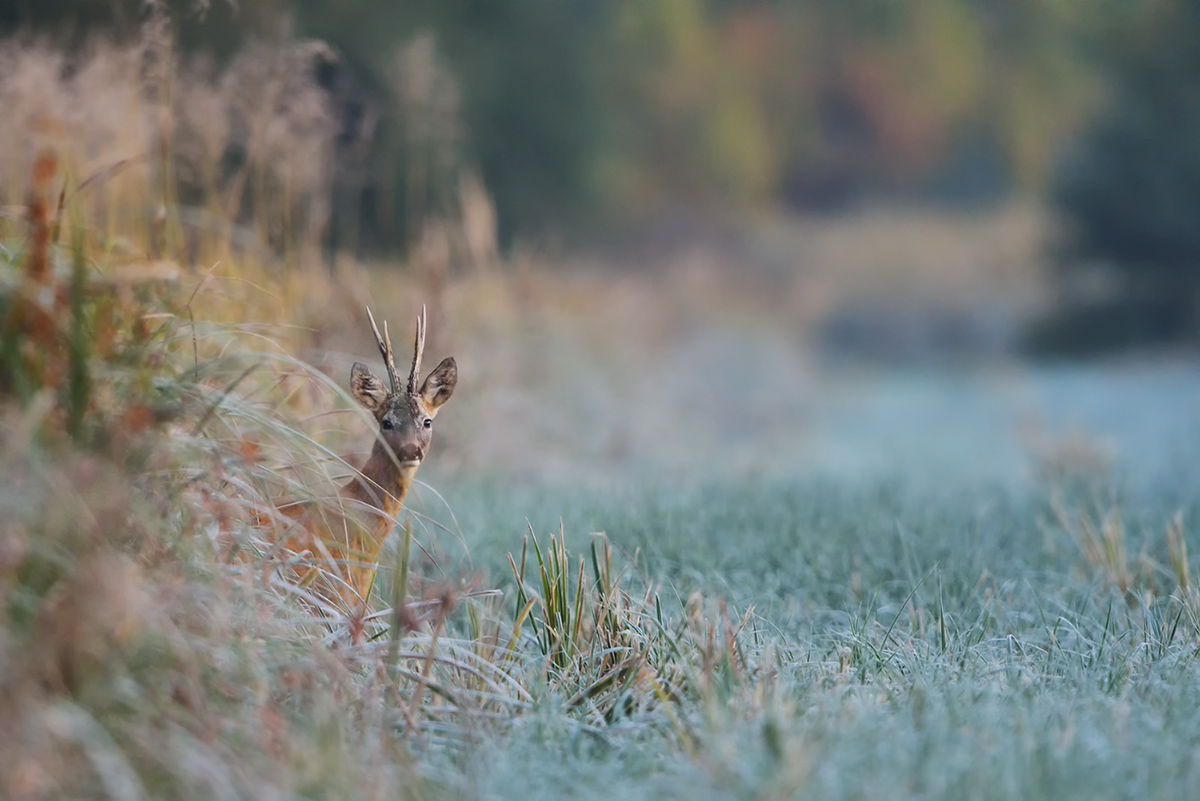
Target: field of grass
[956,644]
[947,585]
[962,638]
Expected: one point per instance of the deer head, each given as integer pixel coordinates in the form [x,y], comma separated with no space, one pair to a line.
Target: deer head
[405,414]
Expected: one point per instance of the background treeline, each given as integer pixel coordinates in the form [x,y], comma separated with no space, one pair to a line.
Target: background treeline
[581,116]
[597,120]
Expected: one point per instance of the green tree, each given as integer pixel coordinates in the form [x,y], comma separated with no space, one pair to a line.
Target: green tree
[1131,188]
[523,76]
[219,26]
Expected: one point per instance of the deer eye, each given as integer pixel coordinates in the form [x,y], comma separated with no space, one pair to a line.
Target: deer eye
[387,424]
[428,422]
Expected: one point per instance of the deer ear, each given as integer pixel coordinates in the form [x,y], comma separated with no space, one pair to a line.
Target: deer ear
[439,385]
[367,388]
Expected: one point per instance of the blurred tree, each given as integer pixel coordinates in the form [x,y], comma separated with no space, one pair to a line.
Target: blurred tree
[219,26]
[529,101]
[528,114]
[685,98]
[1131,189]
[595,116]
[1038,86]
[600,116]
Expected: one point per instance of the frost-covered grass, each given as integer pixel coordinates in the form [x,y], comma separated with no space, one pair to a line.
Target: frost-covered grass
[901,645]
[1030,634]
[809,584]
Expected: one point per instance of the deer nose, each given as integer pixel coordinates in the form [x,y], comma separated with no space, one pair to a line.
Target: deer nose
[408,453]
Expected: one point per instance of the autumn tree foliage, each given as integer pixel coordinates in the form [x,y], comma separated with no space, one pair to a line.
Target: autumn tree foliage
[593,117]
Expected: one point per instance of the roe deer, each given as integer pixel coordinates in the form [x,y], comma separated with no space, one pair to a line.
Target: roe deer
[376,495]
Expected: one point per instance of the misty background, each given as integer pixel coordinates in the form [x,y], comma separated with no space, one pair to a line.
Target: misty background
[789,233]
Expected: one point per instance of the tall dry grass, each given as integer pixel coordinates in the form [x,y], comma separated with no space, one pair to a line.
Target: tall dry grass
[154,640]
[234,158]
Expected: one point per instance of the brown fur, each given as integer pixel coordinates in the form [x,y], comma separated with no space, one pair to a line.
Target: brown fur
[373,499]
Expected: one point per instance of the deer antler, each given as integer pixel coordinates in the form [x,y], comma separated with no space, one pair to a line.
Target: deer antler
[385,349]
[414,374]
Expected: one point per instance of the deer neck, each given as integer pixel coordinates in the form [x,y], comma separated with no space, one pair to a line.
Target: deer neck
[383,484]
